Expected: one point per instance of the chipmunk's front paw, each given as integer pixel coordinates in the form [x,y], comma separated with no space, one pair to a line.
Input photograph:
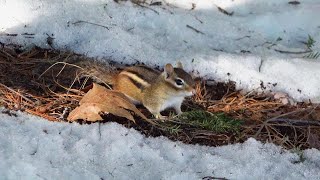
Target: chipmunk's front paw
[160,117]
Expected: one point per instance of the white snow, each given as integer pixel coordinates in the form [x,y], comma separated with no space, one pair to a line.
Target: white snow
[34,148]
[140,34]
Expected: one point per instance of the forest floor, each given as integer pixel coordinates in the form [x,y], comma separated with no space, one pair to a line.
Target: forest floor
[50,83]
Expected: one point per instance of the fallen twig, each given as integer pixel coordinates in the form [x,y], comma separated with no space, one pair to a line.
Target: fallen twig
[138,4]
[297,122]
[292,52]
[78,22]
[224,11]
[294,2]
[242,37]
[278,117]
[158,3]
[7,34]
[196,30]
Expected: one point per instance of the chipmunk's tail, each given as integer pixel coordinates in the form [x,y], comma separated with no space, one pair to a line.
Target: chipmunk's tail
[98,71]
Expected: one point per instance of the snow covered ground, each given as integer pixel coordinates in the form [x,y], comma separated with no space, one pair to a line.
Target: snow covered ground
[242,47]
[33,148]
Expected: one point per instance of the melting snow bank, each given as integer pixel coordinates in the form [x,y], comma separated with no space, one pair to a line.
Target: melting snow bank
[242,47]
[33,148]
[297,77]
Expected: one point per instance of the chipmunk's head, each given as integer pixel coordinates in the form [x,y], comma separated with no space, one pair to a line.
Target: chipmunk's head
[179,80]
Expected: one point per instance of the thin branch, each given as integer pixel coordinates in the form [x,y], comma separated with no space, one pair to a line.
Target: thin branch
[224,11]
[78,22]
[242,37]
[292,52]
[196,30]
[146,7]
[214,178]
[297,122]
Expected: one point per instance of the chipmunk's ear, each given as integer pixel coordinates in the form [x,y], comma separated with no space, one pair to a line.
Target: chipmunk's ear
[168,69]
[179,65]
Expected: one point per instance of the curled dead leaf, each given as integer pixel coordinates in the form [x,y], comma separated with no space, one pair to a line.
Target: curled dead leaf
[100,100]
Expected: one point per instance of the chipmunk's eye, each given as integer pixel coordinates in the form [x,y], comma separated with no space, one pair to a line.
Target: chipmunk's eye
[179,82]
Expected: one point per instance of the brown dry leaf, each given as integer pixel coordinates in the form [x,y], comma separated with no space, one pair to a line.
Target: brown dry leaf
[100,100]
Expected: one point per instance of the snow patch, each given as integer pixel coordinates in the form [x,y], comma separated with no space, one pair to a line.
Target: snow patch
[34,148]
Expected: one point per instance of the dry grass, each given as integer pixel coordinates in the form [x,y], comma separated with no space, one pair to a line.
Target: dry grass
[50,84]
[23,88]
[265,118]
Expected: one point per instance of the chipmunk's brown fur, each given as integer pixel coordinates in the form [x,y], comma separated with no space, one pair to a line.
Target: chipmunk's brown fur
[156,90]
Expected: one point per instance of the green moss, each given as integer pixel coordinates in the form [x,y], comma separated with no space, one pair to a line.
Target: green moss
[219,122]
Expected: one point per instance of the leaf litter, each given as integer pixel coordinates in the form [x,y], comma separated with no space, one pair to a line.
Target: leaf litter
[51,84]
[102,100]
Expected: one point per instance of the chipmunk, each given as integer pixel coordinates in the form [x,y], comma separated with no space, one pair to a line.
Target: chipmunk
[153,89]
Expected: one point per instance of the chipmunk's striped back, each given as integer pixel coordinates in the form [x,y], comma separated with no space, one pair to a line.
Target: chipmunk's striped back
[133,80]
[142,76]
